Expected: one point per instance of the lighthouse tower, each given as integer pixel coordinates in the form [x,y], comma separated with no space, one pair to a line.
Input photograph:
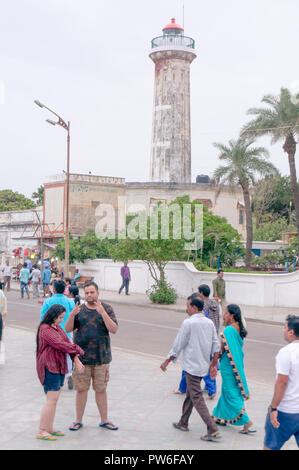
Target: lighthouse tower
[172,54]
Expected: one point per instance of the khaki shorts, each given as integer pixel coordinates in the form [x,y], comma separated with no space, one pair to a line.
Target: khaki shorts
[99,375]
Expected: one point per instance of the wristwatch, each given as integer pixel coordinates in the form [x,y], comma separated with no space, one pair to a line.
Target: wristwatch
[270,409]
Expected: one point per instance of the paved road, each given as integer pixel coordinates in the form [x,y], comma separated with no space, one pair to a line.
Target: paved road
[152,331]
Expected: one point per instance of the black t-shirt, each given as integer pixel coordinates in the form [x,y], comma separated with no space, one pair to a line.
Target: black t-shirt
[92,335]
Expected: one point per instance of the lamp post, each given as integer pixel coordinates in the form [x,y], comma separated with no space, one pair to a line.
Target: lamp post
[67,127]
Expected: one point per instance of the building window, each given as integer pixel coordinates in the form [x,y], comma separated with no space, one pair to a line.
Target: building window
[241,217]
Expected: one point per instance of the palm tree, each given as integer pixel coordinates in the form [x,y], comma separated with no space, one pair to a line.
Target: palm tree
[280,120]
[243,163]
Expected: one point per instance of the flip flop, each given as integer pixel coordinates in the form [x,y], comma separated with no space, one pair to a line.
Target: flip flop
[109,426]
[47,437]
[76,426]
[57,433]
[210,437]
[248,431]
[180,427]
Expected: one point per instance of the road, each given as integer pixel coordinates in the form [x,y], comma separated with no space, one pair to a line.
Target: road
[150,331]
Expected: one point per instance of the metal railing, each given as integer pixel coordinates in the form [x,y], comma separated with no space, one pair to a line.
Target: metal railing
[173,40]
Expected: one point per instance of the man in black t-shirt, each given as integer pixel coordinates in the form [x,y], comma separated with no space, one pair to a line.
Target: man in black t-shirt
[92,323]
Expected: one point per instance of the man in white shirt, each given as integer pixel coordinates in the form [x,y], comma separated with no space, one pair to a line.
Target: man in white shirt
[282,420]
[6,276]
[197,340]
[35,277]
[3,311]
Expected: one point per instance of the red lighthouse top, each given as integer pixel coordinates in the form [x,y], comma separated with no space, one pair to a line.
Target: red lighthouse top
[173,25]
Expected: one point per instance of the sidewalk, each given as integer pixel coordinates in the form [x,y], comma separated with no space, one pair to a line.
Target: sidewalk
[141,403]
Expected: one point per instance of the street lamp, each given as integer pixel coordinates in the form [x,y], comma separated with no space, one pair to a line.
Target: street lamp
[66,126]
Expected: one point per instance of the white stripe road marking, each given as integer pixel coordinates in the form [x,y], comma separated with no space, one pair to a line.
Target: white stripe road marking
[167,327]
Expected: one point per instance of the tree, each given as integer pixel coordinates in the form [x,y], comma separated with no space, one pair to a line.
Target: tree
[280,120]
[273,230]
[14,201]
[272,198]
[88,246]
[156,251]
[220,239]
[243,163]
[39,196]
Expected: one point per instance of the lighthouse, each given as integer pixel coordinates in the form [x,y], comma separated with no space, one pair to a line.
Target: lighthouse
[172,55]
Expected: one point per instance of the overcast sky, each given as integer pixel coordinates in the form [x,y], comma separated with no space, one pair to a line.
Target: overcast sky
[88,60]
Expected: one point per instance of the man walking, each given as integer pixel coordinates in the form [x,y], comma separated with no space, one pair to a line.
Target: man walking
[282,420]
[197,340]
[210,305]
[126,277]
[35,278]
[219,290]
[6,276]
[3,313]
[24,279]
[93,322]
[47,276]
[211,308]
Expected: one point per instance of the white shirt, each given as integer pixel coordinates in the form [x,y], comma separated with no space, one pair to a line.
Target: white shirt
[287,363]
[35,275]
[197,339]
[3,302]
[6,271]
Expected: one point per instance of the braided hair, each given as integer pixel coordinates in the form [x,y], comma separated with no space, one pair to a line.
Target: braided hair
[235,310]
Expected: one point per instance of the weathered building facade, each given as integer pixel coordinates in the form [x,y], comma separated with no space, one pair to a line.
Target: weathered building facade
[19,230]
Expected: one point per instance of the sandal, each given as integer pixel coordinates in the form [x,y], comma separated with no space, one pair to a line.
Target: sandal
[109,426]
[180,427]
[57,433]
[211,437]
[247,431]
[75,426]
[46,437]
[177,392]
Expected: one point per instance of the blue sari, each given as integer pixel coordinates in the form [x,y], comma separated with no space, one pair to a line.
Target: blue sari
[234,390]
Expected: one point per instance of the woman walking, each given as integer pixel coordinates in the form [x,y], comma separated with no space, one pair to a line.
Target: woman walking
[52,347]
[230,407]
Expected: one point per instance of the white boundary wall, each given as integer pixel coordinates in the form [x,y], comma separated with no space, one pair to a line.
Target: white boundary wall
[263,290]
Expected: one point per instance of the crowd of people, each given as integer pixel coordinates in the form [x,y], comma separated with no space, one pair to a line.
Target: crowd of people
[202,346]
[73,342]
[28,274]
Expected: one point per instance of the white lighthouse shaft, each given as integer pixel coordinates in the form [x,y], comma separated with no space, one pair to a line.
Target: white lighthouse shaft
[171,133]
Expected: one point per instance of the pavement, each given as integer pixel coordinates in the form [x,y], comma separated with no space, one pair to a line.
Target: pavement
[140,397]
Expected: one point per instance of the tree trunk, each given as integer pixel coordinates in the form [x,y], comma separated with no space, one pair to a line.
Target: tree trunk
[290,148]
[249,226]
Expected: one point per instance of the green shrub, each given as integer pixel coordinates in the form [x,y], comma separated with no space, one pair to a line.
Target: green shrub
[162,293]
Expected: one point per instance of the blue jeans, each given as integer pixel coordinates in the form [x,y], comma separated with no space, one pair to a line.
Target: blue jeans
[210,384]
[24,285]
[53,382]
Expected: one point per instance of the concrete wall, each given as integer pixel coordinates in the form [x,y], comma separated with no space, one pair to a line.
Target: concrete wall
[263,290]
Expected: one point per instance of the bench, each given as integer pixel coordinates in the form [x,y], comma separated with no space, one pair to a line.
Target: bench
[84,279]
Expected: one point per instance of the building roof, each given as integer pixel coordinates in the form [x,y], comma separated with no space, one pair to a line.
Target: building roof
[173,25]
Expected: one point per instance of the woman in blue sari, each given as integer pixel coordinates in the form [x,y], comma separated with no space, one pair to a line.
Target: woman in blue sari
[234,390]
